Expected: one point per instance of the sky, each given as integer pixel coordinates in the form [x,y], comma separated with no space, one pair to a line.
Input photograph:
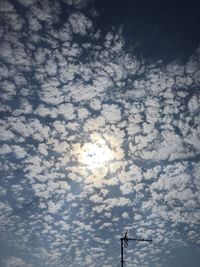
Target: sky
[100,133]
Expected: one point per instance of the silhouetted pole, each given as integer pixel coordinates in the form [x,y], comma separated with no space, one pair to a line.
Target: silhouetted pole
[124,242]
[122,252]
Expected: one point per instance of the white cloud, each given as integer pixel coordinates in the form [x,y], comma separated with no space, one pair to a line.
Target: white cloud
[5,149]
[51,94]
[16,262]
[94,124]
[95,104]
[125,215]
[117,202]
[53,207]
[194,103]
[78,3]
[80,23]
[111,113]
[20,152]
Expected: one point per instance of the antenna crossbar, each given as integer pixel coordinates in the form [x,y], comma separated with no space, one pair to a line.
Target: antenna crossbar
[124,243]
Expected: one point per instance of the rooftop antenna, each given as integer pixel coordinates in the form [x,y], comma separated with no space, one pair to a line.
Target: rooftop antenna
[124,243]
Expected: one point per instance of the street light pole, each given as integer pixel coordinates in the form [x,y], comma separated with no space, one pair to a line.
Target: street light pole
[124,243]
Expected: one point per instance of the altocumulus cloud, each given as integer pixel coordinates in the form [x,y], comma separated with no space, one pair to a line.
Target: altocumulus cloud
[64,85]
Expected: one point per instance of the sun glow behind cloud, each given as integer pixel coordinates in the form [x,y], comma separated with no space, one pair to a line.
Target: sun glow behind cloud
[95,156]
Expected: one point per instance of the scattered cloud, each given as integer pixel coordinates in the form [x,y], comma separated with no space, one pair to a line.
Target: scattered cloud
[93,141]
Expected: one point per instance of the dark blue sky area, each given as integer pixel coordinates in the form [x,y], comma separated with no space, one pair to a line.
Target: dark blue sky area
[157,29]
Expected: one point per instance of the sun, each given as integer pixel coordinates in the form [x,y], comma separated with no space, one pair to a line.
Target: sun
[95,156]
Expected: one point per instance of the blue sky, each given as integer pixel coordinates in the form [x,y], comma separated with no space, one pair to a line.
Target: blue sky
[100,133]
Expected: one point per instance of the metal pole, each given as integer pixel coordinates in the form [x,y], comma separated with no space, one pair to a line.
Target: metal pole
[122,252]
